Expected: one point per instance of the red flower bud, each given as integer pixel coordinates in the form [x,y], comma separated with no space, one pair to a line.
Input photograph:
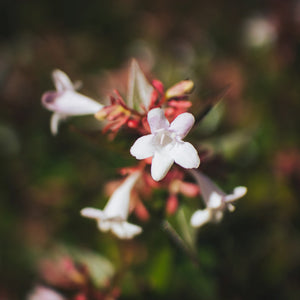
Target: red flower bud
[172,204]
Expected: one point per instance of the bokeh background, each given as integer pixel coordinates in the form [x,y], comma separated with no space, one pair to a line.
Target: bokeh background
[252,46]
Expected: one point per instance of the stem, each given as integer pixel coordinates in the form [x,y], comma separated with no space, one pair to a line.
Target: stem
[167,227]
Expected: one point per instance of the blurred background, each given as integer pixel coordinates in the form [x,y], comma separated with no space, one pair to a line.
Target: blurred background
[252,46]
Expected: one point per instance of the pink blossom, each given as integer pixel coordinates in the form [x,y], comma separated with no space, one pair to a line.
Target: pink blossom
[66,102]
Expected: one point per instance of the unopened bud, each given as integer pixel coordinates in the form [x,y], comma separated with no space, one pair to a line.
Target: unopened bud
[172,204]
[180,89]
[101,114]
[158,85]
[132,123]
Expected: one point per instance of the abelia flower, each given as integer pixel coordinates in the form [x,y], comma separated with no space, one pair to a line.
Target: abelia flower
[66,102]
[215,199]
[114,216]
[165,144]
[44,293]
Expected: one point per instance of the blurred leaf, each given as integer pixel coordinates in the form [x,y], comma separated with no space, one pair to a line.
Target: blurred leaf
[188,232]
[161,270]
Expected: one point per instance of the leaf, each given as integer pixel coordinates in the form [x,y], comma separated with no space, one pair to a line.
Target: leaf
[139,89]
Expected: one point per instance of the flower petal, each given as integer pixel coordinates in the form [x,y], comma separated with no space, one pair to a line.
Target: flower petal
[161,164]
[215,200]
[56,118]
[45,293]
[182,124]
[104,225]
[118,204]
[238,193]
[125,230]
[207,187]
[185,155]
[139,89]
[74,104]
[61,81]
[157,119]
[200,217]
[218,215]
[92,213]
[143,147]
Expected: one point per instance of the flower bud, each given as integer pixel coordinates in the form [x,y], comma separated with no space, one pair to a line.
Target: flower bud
[180,89]
[172,204]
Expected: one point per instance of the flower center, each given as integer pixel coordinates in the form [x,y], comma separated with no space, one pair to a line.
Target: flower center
[164,138]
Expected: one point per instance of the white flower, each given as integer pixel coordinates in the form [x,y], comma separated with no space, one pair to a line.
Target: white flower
[44,293]
[65,101]
[215,199]
[114,216]
[165,143]
[259,31]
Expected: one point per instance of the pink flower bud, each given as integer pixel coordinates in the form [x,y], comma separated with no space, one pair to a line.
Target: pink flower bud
[180,89]
[172,204]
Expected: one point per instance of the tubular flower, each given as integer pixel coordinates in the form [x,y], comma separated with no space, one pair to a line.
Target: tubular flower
[215,199]
[165,143]
[65,101]
[45,293]
[114,216]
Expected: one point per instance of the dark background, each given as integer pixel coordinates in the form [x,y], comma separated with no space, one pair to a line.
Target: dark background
[45,180]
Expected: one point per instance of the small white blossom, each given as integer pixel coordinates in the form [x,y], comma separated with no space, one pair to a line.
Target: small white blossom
[114,216]
[215,199]
[259,31]
[44,293]
[165,143]
[65,101]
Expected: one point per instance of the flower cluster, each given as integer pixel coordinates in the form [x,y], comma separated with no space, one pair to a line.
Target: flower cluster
[161,120]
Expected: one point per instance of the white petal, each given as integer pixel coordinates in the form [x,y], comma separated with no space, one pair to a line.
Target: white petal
[238,193]
[74,104]
[125,230]
[215,200]
[44,293]
[161,164]
[92,213]
[207,187]
[56,118]
[61,81]
[104,226]
[118,204]
[139,89]
[157,119]
[185,155]
[182,124]
[218,215]
[143,147]
[230,207]
[200,217]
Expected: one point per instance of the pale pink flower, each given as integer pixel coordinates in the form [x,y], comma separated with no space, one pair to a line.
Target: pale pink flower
[114,216]
[44,293]
[66,102]
[165,143]
[215,199]
[259,31]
